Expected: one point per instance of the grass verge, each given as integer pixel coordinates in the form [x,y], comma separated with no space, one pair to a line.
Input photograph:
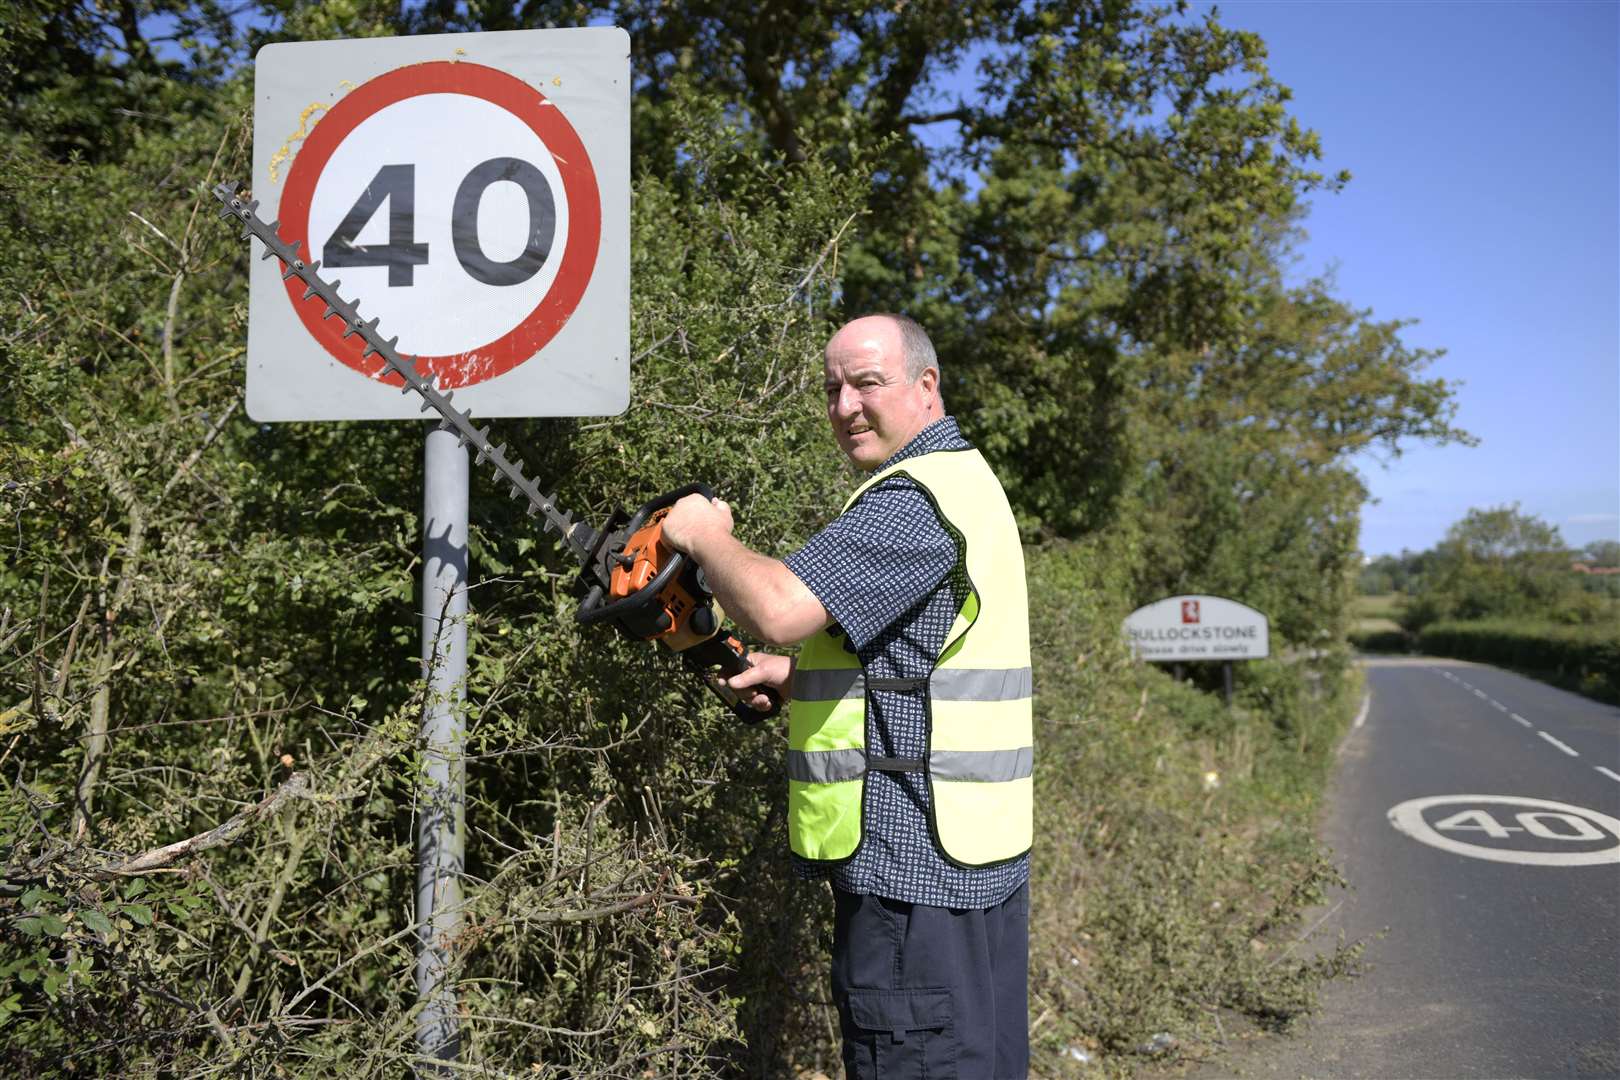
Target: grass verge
[1176,841]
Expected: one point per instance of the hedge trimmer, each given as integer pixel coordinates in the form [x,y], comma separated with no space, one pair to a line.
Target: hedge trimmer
[629,576]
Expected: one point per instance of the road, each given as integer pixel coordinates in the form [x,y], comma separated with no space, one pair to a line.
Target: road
[1493,941]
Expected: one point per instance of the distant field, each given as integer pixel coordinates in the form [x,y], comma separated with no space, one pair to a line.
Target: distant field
[1374,614]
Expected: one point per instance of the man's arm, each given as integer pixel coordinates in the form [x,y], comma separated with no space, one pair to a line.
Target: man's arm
[759,593]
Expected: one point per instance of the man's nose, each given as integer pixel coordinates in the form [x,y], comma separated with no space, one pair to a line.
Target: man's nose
[846,401]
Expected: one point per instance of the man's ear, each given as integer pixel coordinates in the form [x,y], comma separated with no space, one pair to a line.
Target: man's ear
[930,380]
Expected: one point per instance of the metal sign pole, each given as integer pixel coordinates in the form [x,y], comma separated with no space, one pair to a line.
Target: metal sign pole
[440,836]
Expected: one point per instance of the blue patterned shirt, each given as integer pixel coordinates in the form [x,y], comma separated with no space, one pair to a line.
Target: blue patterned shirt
[890,575]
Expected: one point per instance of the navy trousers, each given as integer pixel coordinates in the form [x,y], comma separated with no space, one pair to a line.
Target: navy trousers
[928,993]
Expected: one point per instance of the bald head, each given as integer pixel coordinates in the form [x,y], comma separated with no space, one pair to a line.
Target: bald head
[894,332]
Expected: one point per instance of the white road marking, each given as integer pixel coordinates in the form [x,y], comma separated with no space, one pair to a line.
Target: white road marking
[1499,706]
[1521,719]
[1561,746]
[1610,773]
[1495,840]
[1467,685]
[1361,717]
[1481,695]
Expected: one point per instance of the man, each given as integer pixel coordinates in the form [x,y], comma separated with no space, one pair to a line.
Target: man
[909,734]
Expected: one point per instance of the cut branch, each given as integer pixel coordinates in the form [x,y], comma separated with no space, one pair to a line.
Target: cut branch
[294,787]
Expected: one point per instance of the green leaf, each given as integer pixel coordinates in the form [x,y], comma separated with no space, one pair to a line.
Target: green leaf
[10,1005]
[96,921]
[53,925]
[134,888]
[29,926]
[139,912]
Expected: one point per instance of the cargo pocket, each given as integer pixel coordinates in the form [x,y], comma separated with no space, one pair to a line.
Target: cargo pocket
[900,1035]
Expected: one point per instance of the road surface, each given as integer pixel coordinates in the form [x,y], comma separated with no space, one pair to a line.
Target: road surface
[1476,814]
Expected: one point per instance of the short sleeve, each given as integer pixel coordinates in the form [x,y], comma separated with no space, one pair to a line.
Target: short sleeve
[878,560]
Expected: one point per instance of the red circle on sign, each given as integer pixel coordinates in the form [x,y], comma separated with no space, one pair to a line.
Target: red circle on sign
[579,189]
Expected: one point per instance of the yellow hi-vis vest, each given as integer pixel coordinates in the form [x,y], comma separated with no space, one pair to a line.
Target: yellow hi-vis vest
[980,761]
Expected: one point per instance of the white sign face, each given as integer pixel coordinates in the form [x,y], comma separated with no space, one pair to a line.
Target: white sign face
[472,193]
[1511,829]
[1198,628]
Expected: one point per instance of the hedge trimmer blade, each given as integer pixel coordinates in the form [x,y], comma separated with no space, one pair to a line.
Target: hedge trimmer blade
[580,537]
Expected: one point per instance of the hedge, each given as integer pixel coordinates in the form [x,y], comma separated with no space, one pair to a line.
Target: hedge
[1581,658]
[1381,641]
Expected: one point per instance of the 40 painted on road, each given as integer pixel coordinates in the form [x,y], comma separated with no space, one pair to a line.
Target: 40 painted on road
[1511,829]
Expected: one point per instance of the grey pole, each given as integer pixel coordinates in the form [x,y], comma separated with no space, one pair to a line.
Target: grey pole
[441,796]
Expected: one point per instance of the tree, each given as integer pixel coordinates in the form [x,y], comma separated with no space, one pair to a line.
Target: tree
[1602,553]
[1499,562]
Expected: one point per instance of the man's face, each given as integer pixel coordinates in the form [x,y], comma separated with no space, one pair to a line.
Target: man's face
[874,409]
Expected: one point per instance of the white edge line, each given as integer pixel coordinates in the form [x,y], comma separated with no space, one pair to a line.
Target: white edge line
[1361,717]
[1610,773]
[1499,705]
[1481,695]
[1521,719]
[1561,746]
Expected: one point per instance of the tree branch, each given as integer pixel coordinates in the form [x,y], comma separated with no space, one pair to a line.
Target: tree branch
[295,786]
[961,115]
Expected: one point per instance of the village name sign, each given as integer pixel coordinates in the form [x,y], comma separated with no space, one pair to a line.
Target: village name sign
[1181,628]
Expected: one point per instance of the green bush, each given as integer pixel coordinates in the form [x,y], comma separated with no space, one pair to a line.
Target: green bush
[222,607]
[1581,658]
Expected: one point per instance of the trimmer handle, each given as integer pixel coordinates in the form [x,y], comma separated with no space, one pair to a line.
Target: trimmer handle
[721,657]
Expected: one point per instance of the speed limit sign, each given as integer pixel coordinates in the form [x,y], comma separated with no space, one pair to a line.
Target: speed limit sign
[471,192]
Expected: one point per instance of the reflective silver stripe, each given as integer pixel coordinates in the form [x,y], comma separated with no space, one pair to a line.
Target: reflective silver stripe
[986,766]
[947,684]
[825,766]
[981,684]
[828,684]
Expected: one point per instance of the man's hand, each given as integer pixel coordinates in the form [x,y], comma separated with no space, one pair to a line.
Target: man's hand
[693,518]
[759,593]
[768,670]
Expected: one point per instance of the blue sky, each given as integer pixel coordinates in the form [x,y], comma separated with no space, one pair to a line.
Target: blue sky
[1486,204]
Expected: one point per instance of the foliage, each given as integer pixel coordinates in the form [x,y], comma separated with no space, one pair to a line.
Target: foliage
[1581,658]
[1604,553]
[199,610]
[1393,573]
[1500,563]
